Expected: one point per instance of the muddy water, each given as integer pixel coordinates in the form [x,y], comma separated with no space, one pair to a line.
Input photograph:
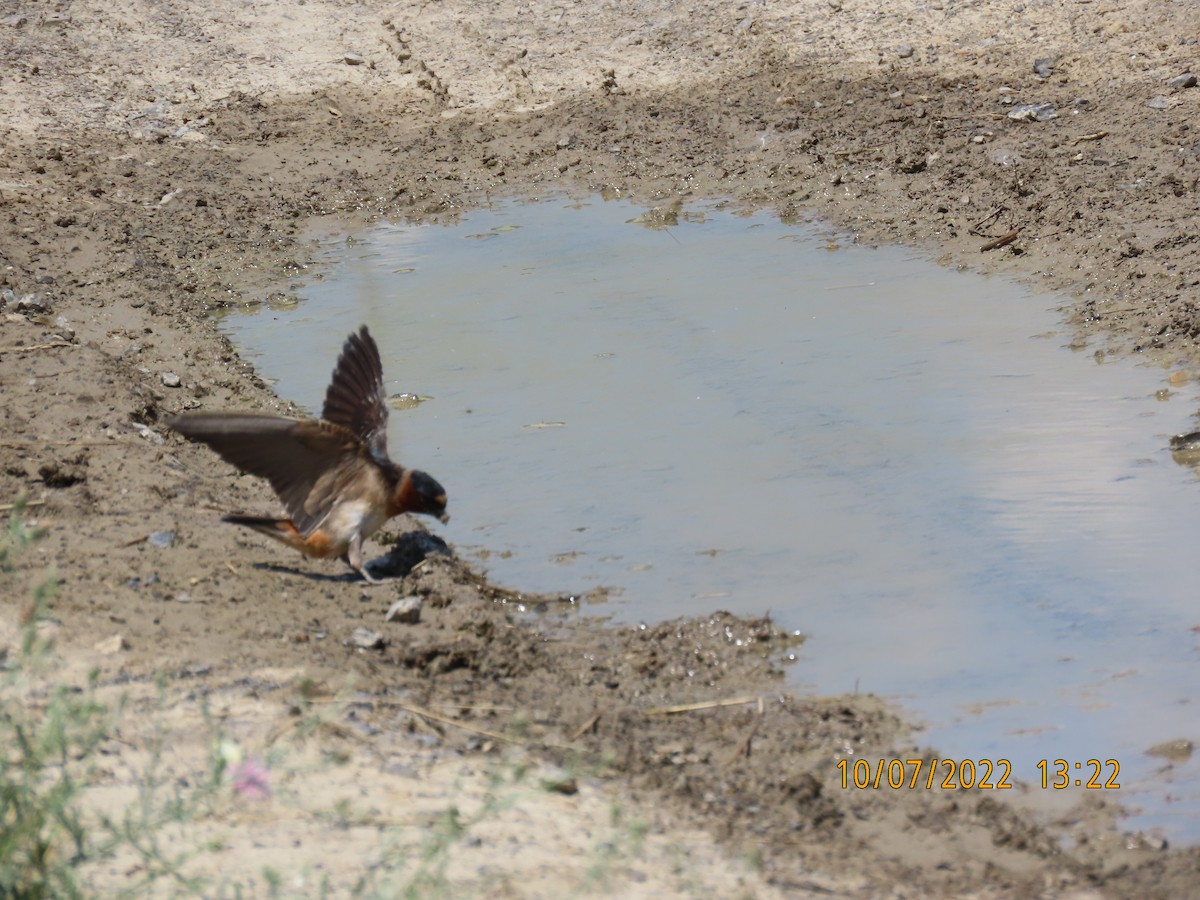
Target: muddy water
[901,461]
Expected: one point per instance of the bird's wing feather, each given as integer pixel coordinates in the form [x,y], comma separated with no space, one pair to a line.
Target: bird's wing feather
[306,462]
[355,398]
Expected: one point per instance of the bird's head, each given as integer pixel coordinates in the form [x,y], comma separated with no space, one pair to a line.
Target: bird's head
[420,493]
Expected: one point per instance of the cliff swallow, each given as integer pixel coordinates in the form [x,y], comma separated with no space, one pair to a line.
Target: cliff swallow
[333,475]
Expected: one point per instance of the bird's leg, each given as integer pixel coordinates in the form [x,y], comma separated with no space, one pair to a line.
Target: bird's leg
[354,558]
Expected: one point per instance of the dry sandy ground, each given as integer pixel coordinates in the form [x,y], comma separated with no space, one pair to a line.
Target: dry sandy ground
[159,159]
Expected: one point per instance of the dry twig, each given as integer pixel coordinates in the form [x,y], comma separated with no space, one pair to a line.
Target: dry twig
[585,727]
[9,507]
[446,720]
[707,704]
[1001,241]
[28,347]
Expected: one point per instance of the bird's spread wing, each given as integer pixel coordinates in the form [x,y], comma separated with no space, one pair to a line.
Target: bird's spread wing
[355,398]
[306,462]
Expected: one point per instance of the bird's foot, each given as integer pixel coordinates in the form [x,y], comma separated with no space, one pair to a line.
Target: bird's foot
[369,578]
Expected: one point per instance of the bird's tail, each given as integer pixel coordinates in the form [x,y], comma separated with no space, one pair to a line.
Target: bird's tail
[280,529]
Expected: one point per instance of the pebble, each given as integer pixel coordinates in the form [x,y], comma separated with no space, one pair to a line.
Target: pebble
[353,59]
[161,539]
[1189,441]
[904,51]
[1003,156]
[64,330]
[406,610]
[149,434]
[111,645]
[1143,841]
[32,303]
[1043,67]
[171,380]
[190,127]
[559,782]
[1179,82]
[1033,112]
[1159,102]
[366,639]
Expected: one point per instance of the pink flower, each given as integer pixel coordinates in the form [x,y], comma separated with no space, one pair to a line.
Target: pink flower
[251,778]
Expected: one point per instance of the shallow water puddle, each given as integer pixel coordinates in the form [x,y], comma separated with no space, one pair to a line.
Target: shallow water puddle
[901,461]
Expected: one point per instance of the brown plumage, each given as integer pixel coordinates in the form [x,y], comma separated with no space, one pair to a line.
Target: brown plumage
[333,475]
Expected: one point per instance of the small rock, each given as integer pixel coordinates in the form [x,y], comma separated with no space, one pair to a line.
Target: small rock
[1003,156]
[904,51]
[1189,441]
[111,645]
[561,784]
[149,434]
[366,639]
[353,59]
[1159,102]
[406,610]
[161,539]
[1044,67]
[1179,82]
[171,380]
[190,128]
[1033,112]
[64,330]
[32,303]
[1143,841]
[14,21]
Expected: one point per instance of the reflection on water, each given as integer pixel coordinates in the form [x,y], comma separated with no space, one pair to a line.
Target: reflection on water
[899,460]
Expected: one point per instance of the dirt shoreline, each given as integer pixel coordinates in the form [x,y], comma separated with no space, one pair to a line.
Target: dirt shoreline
[158,166]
